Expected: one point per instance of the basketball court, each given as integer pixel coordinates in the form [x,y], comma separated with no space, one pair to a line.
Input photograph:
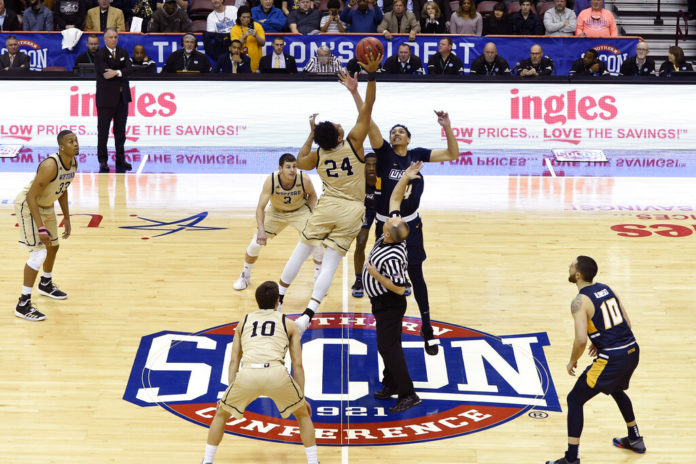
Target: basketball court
[129,367]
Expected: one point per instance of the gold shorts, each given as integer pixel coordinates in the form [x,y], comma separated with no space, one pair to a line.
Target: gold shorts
[335,222]
[275,220]
[28,232]
[274,382]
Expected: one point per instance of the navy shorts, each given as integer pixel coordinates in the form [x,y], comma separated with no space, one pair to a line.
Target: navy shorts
[414,241]
[369,218]
[612,369]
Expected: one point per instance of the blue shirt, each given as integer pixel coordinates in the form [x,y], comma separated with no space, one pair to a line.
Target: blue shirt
[390,168]
[362,22]
[274,21]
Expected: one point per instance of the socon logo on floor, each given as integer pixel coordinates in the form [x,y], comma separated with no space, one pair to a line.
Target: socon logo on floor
[476,381]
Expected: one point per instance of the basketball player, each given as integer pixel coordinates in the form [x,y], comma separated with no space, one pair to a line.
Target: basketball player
[598,314]
[260,343]
[339,214]
[292,198]
[393,158]
[38,227]
[371,190]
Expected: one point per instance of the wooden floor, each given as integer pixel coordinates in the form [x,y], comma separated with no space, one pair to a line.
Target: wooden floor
[497,262]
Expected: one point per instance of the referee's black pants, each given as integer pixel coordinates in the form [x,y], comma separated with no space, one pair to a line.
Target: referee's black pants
[389,310]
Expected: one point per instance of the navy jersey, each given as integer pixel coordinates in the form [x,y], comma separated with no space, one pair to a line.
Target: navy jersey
[390,168]
[607,328]
[371,195]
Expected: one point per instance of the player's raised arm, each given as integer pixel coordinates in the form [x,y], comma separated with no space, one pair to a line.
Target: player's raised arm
[307,158]
[351,83]
[452,151]
[359,132]
[400,189]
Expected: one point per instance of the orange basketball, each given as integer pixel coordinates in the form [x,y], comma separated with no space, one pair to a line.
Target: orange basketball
[367,45]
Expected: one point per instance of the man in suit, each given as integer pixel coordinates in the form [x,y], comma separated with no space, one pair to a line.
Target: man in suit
[12,60]
[399,21]
[113,95]
[8,19]
[234,62]
[105,16]
[404,62]
[187,59]
[278,62]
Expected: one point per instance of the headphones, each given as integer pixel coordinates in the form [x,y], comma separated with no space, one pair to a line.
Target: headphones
[186,35]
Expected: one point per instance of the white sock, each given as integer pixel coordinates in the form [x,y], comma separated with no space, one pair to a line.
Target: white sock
[210,451]
[328,268]
[311,452]
[47,275]
[313,305]
[292,267]
[26,290]
[247,268]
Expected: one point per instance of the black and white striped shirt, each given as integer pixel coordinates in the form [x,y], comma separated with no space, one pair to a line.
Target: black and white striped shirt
[390,259]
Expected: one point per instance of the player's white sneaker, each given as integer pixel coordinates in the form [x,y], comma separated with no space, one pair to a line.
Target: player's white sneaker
[242,282]
[302,323]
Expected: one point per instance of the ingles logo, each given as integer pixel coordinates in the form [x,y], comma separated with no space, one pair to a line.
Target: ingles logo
[562,108]
[477,381]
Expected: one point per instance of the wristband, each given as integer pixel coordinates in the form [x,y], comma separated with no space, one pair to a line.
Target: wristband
[43,230]
[372,76]
[395,213]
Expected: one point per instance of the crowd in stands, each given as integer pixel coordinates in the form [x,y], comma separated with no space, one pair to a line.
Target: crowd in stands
[245,23]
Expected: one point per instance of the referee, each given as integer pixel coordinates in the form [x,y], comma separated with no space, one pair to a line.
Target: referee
[384,280]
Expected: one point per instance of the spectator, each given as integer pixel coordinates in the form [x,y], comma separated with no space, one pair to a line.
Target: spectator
[187,59]
[444,61]
[404,62]
[8,19]
[525,21]
[560,20]
[596,22]
[37,17]
[12,59]
[222,18]
[143,9]
[466,20]
[399,21]
[90,55]
[170,18]
[588,65]
[582,5]
[640,64]
[536,65]
[271,18]
[443,5]
[490,63]
[278,62]
[103,16]
[676,62]
[497,23]
[234,62]
[305,20]
[141,63]
[251,34]
[432,21]
[363,19]
[183,4]
[69,13]
[294,5]
[331,22]
[323,62]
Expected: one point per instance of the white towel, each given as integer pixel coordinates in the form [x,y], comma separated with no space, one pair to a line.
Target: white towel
[71,37]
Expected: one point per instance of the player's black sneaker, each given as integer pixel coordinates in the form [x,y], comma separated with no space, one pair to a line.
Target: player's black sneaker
[385,393]
[48,288]
[357,289]
[28,311]
[431,343]
[637,446]
[405,403]
[563,460]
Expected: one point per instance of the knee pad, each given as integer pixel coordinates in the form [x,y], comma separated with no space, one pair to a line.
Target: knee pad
[36,259]
[254,248]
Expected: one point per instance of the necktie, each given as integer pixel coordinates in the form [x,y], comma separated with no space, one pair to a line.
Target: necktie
[113,54]
[11,60]
[277,61]
[234,67]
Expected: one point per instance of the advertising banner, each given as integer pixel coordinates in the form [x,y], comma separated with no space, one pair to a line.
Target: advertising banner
[270,115]
[45,48]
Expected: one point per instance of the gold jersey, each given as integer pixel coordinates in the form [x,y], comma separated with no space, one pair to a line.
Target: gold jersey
[57,186]
[290,199]
[342,172]
[264,337]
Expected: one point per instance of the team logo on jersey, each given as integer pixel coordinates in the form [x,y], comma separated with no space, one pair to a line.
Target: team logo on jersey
[476,381]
